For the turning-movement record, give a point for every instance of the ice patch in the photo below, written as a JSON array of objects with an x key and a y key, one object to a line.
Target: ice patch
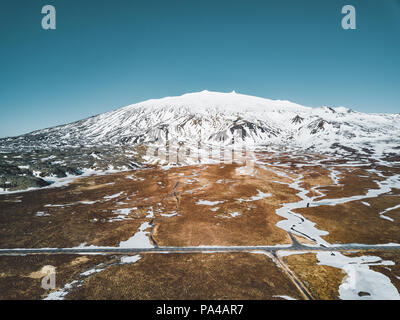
[
  {"x": 285, "y": 297},
  {"x": 124, "y": 211},
  {"x": 139, "y": 239},
  {"x": 169, "y": 215},
  {"x": 91, "y": 271},
  {"x": 130, "y": 259},
  {"x": 60, "y": 293},
  {"x": 387, "y": 210},
  {"x": 42, "y": 214},
  {"x": 208, "y": 203},
  {"x": 113, "y": 196},
  {"x": 360, "y": 278},
  {"x": 259, "y": 196}
]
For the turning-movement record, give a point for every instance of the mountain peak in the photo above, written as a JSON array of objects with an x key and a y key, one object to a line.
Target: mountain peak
[
  {"x": 212, "y": 117},
  {"x": 228, "y": 101}
]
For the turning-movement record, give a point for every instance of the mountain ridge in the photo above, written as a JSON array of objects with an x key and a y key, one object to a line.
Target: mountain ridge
[
  {"x": 214, "y": 117},
  {"x": 142, "y": 133}
]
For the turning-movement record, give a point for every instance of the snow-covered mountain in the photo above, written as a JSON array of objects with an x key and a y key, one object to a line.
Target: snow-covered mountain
[{"x": 215, "y": 118}]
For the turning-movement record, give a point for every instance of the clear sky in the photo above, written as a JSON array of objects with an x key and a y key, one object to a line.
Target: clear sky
[{"x": 108, "y": 54}]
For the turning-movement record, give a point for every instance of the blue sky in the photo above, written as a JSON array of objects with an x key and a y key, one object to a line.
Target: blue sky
[{"x": 108, "y": 54}]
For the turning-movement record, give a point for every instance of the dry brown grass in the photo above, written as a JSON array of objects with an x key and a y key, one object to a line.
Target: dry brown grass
[
  {"x": 197, "y": 224},
  {"x": 72, "y": 222},
  {"x": 354, "y": 222},
  {"x": 353, "y": 181},
  {"x": 322, "y": 281},
  {"x": 190, "y": 276},
  {"x": 179, "y": 190},
  {"x": 20, "y": 276}
]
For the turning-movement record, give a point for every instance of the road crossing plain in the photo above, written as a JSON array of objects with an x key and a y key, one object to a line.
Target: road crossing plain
[{"x": 207, "y": 231}]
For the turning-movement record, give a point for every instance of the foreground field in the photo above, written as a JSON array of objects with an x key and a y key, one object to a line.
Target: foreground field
[
  {"x": 276, "y": 224},
  {"x": 152, "y": 276}
]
